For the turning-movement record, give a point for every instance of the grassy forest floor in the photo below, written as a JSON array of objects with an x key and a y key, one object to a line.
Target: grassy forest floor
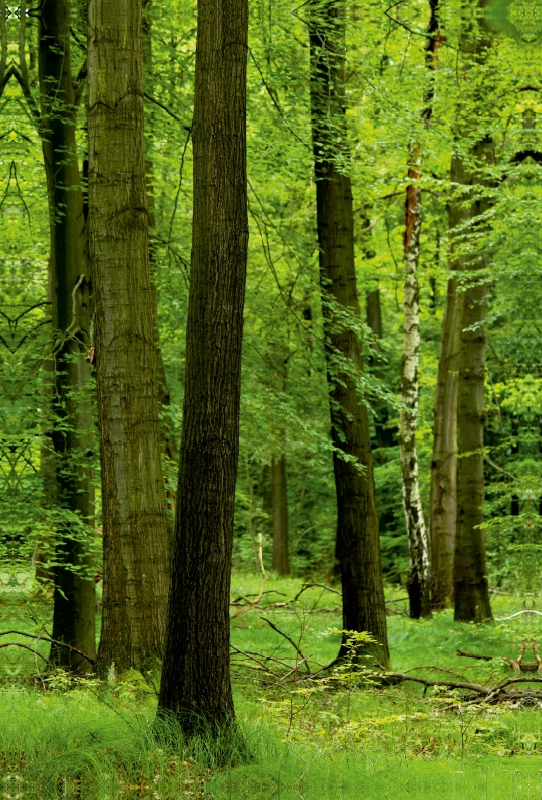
[{"x": 330, "y": 738}]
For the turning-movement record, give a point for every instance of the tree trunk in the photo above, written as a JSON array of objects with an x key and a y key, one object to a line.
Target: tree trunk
[
  {"x": 75, "y": 596},
  {"x": 196, "y": 685},
  {"x": 443, "y": 502},
  {"x": 471, "y": 594},
  {"x": 385, "y": 436},
  {"x": 281, "y": 557},
  {"x": 136, "y": 564},
  {"x": 358, "y": 545},
  {"x": 418, "y": 577}
]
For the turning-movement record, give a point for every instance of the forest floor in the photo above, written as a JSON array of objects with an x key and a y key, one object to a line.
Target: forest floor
[{"x": 317, "y": 737}]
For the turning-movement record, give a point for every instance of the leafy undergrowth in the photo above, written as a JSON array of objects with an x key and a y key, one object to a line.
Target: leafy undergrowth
[{"x": 333, "y": 737}]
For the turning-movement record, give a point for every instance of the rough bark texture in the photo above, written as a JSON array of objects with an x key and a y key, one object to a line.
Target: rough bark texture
[
  {"x": 196, "y": 676},
  {"x": 75, "y": 596},
  {"x": 418, "y": 577},
  {"x": 443, "y": 502},
  {"x": 279, "y": 489},
  {"x": 136, "y": 565},
  {"x": 358, "y": 546}
]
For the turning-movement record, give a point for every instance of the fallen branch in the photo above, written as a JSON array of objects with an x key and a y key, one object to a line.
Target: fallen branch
[
  {"x": 479, "y": 656},
  {"x": 47, "y": 639},
  {"x": 26, "y": 647}
]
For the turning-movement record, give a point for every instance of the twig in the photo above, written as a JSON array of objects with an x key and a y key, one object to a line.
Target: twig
[
  {"x": 321, "y": 585},
  {"x": 26, "y": 647},
  {"x": 289, "y": 639},
  {"x": 51, "y": 641}
]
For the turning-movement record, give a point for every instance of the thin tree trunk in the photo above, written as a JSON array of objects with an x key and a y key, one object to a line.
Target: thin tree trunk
[
  {"x": 418, "y": 577},
  {"x": 279, "y": 489},
  {"x": 75, "y": 596},
  {"x": 358, "y": 545},
  {"x": 443, "y": 502},
  {"x": 196, "y": 685},
  {"x": 136, "y": 563}
]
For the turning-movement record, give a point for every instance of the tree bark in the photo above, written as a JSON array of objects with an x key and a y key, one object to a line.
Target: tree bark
[
  {"x": 443, "y": 501},
  {"x": 418, "y": 584},
  {"x": 196, "y": 685},
  {"x": 136, "y": 563},
  {"x": 471, "y": 594},
  {"x": 471, "y": 591},
  {"x": 358, "y": 545},
  {"x": 75, "y": 597}
]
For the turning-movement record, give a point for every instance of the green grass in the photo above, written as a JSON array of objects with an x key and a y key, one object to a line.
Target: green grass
[{"x": 334, "y": 739}]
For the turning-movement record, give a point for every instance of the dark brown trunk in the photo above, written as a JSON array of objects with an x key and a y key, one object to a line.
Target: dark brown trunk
[
  {"x": 136, "y": 563},
  {"x": 358, "y": 545},
  {"x": 196, "y": 685},
  {"x": 279, "y": 491},
  {"x": 75, "y": 597}
]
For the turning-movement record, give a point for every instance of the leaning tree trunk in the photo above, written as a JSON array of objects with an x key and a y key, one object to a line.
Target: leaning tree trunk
[
  {"x": 75, "y": 597},
  {"x": 196, "y": 684},
  {"x": 358, "y": 546},
  {"x": 443, "y": 501},
  {"x": 136, "y": 563}
]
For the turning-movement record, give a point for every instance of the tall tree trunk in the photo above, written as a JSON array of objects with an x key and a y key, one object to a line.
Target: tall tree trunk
[
  {"x": 281, "y": 556},
  {"x": 196, "y": 685},
  {"x": 75, "y": 597},
  {"x": 471, "y": 593},
  {"x": 358, "y": 545},
  {"x": 443, "y": 502},
  {"x": 418, "y": 577},
  {"x": 136, "y": 563}
]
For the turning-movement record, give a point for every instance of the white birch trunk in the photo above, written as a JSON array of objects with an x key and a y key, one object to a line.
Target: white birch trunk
[{"x": 418, "y": 579}]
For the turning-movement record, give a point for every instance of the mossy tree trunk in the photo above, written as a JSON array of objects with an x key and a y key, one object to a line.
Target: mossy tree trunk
[{"x": 136, "y": 551}]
